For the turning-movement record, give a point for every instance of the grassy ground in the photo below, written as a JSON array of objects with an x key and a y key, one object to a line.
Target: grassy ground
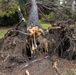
[
  {"x": 3, "y": 31},
  {"x": 45, "y": 26},
  {"x": 74, "y": 71}
]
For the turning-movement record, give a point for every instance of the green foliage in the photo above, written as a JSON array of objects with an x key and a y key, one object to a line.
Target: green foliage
[
  {"x": 8, "y": 7},
  {"x": 42, "y": 20},
  {"x": 51, "y": 16},
  {"x": 45, "y": 25},
  {"x": 3, "y": 32},
  {"x": 8, "y": 12},
  {"x": 13, "y": 19}
]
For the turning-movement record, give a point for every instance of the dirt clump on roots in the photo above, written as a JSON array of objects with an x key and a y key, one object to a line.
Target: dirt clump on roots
[{"x": 15, "y": 59}]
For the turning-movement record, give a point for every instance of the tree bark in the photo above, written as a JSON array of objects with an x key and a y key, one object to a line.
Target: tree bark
[
  {"x": 33, "y": 18},
  {"x": 20, "y": 15}
]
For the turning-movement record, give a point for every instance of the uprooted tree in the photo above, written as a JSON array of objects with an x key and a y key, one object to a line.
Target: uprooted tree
[
  {"x": 26, "y": 39},
  {"x": 29, "y": 39}
]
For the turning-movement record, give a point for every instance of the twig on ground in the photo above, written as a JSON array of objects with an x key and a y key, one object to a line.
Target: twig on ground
[
  {"x": 6, "y": 58},
  {"x": 56, "y": 68},
  {"x": 27, "y": 72},
  {"x": 30, "y": 63}
]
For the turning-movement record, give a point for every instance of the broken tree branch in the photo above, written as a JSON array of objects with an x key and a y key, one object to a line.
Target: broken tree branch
[
  {"x": 20, "y": 15},
  {"x": 19, "y": 32},
  {"x": 43, "y": 14}
]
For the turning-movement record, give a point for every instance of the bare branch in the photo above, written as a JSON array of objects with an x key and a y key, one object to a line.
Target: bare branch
[
  {"x": 19, "y": 32},
  {"x": 20, "y": 15}
]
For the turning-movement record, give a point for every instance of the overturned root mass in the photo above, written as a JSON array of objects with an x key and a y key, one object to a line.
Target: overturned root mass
[
  {"x": 16, "y": 48},
  {"x": 63, "y": 42},
  {"x": 36, "y": 42},
  {"x": 60, "y": 41}
]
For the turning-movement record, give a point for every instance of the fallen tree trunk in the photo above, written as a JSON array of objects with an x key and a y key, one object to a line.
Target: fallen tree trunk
[
  {"x": 33, "y": 19},
  {"x": 50, "y": 7},
  {"x": 29, "y": 40},
  {"x": 35, "y": 30},
  {"x": 31, "y": 35}
]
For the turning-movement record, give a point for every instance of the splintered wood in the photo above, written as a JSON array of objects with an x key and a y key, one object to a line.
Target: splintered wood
[
  {"x": 35, "y": 33},
  {"x": 35, "y": 30},
  {"x": 27, "y": 72}
]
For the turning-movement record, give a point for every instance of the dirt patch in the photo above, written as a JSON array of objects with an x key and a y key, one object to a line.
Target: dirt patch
[{"x": 41, "y": 67}]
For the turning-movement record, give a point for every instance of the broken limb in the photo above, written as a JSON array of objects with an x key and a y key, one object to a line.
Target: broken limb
[
  {"x": 19, "y": 32},
  {"x": 6, "y": 58},
  {"x": 33, "y": 47},
  {"x": 43, "y": 14},
  {"x": 35, "y": 42},
  {"x": 27, "y": 72}
]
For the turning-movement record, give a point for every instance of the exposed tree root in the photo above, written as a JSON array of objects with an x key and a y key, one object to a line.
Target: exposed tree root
[{"x": 27, "y": 41}]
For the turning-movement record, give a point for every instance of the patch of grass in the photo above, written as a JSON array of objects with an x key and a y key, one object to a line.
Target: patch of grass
[
  {"x": 74, "y": 70},
  {"x": 45, "y": 25},
  {"x": 3, "y": 31},
  {"x": 65, "y": 73}
]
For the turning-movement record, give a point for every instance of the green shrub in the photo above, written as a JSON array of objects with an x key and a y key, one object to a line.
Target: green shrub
[
  {"x": 6, "y": 21},
  {"x": 8, "y": 12},
  {"x": 51, "y": 16},
  {"x": 7, "y": 8},
  {"x": 42, "y": 20}
]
